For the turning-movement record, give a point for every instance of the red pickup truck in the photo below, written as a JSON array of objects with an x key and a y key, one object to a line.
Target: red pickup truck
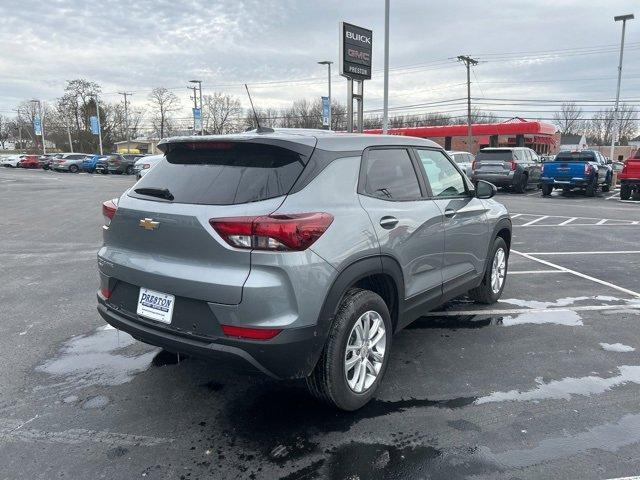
[{"x": 630, "y": 178}]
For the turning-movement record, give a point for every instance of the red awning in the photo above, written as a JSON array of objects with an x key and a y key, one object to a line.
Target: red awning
[{"x": 506, "y": 128}]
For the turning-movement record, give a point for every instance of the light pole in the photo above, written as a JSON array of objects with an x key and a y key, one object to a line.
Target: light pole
[
  {"x": 199, "y": 82},
  {"x": 614, "y": 124},
  {"x": 328, "y": 64},
  {"x": 44, "y": 148},
  {"x": 385, "y": 101}
]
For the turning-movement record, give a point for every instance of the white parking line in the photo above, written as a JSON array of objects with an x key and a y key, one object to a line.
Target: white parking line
[
  {"x": 578, "y": 274},
  {"x": 523, "y": 272},
  {"x": 516, "y": 311},
  {"x": 566, "y": 222},
  {"x": 613, "y": 252},
  {"x": 612, "y": 196},
  {"x": 516, "y": 215},
  {"x": 535, "y": 221}
]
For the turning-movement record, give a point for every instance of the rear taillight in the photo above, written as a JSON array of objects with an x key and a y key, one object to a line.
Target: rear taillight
[
  {"x": 474, "y": 165},
  {"x": 542, "y": 168},
  {"x": 514, "y": 166},
  {"x": 296, "y": 231},
  {"x": 250, "y": 333},
  {"x": 109, "y": 210},
  {"x": 105, "y": 292},
  {"x": 587, "y": 168}
]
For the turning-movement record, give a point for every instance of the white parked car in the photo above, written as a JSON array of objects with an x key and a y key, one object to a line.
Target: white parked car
[
  {"x": 11, "y": 161},
  {"x": 144, "y": 164},
  {"x": 464, "y": 160}
]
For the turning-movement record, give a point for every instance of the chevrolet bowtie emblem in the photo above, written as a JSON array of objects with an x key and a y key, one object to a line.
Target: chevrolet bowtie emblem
[{"x": 148, "y": 224}]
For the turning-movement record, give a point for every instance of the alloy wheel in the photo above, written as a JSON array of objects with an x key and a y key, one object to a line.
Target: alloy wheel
[
  {"x": 364, "y": 353},
  {"x": 498, "y": 270}
]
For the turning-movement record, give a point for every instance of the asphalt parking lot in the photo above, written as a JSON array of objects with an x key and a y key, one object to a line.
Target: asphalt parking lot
[{"x": 544, "y": 384}]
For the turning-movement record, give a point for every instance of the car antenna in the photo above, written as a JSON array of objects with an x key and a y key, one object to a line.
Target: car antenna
[{"x": 255, "y": 115}]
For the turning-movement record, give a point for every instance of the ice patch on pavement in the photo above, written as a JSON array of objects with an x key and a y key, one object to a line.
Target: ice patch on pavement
[
  {"x": 567, "y": 387},
  {"x": 561, "y": 302},
  {"x": 616, "y": 347},
  {"x": 567, "y": 318}
]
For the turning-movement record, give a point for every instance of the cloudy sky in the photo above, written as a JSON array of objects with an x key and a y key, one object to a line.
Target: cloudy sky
[{"x": 529, "y": 50}]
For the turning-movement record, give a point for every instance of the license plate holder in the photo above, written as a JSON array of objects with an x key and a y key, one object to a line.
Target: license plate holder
[{"x": 155, "y": 305}]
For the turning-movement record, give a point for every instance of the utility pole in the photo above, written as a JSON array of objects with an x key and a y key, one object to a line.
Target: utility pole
[
  {"x": 614, "y": 124},
  {"x": 385, "y": 101},
  {"x": 95, "y": 98},
  {"x": 468, "y": 61},
  {"x": 197, "y": 91},
  {"x": 126, "y": 116},
  {"x": 69, "y": 135}
]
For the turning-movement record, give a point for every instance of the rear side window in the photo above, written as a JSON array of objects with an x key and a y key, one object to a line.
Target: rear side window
[
  {"x": 389, "y": 175},
  {"x": 499, "y": 155},
  {"x": 223, "y": 173}
]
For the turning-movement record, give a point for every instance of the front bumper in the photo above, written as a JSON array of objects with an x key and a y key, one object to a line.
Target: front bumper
[{"x": 291, "y": 354}]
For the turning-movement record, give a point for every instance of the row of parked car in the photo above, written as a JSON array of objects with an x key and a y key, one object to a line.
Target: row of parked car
[
  {"x": 113, "y": 163},
  {"x": 520, "y": 168}
]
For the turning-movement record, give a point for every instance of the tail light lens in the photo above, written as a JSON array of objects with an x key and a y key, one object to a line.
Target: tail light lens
[
  {"x": 293, "y": 232},
  {"x": 109, "y": 210},
  {"x": 587, "y": 168},
  {"x": 474, "y": 165},
  {"x": 514, "y": 165},
  {"x": 250, "y": 333},
  {"x": 105, "y": 292}
]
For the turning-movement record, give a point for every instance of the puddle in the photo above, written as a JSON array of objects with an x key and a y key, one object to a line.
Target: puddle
[
  {"x": 565, "y": 388},
  {"x": 105, "y": 357},
  {"x": 566, "y": 318},
  {"x": 375, "y": 461},
  {"x": 608, "y": 437},
  {"x": 99, "y": 401},
  {"x": 616, "y": 347}
]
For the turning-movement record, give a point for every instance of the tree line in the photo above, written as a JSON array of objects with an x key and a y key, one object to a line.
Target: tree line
[{"x": 570, "y": 120}]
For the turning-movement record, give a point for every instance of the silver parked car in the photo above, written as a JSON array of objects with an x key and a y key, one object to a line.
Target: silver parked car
[
  {"x": 142, "y": 165},
  {"x": 464, "y": 161},
  {"x": 69, "y": 162},
  {"x": 298, "y": 253}
]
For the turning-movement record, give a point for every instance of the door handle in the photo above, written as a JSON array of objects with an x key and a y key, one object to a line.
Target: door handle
[
  {"x": 450, "y": 213},
  {"x": 388, "y": 222}
]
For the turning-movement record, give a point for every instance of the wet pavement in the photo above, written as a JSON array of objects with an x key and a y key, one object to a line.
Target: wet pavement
[{"x": 544, "y": 384}]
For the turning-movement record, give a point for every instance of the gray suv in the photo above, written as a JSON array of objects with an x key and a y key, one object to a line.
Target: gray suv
[
  {"x": 298, "y": 253},
  {"x": 515, "y": 167}
]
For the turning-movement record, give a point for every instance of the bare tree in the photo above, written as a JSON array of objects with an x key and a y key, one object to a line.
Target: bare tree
[
  {"x": 627, "y": 123},
  {"x": 220, "y": 113},
  {"x": 164, "y": 103},
  {"x": 5, "y": 129},
  {"x": 569, "y": 119}
]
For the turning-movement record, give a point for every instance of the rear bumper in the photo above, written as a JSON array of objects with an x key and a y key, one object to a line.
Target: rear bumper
[
  {"x": 631, "y": 182},
  {"x": 498, "y": 179},
  {"x": 572, "y": 182},
  {"x": 291, "y": 354}
]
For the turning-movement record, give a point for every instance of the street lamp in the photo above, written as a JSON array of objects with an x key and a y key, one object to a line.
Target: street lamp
[
  {"x": 328, "y": 64},
  {"x": 614, "y": 125},
  {"x": 44, "y": 148},
  {"x": 199, "y": 82}
]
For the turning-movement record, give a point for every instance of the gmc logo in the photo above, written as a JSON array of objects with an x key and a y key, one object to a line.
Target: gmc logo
[
  {"x": 358, "y": 37},
  {"x": 358, "y": 54}
]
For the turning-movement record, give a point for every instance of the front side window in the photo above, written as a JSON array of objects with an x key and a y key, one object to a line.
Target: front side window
[
  {"x": 389, "y": 175},
  {"x": 444, "y": 178}
]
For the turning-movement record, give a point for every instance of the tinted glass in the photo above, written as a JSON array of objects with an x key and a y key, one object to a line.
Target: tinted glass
[
  {"x": 583, "y": 156},
  {"x": 444, "y": 178},
  {"x": 499, "y": 155},
  {"x": 389, "y": 174},
  {"x": 224, "y": 173}
]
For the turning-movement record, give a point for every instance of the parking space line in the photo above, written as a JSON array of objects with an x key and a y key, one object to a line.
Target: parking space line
[
  {"x": 630, "y": 224},
  {"x": 601, "y": 222},
  {"x": 523, "y": 272},
  {"x": 516, "y": 311},
  {"x": 566, "y": 222},
  {"x": 612, "y": 196},
  {"x": 535, "y": 221},
  {"x": 516, "y": 215},
  {"x": 578, "y": 274},
  {"x": 583, "y": 253}
]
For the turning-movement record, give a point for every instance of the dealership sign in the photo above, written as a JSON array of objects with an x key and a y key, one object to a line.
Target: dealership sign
[
  {"x": 37, "y": 126},
  {"x": 355, "y": 51}
]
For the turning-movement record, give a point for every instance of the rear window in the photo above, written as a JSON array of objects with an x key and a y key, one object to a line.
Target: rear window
[
  {"x": 500, "y": 155},
  {"x": 575, "y": 157},
  {"x": 224, "y": 173}
]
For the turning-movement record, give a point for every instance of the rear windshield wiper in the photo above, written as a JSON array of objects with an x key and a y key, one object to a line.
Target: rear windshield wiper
[{"x": 155, "y": 192}]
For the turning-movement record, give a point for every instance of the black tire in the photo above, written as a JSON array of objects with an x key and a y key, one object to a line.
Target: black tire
[
  {"x": 606, "y": 187},
  {"x": 625, "y": 192},
  {"x": 546, "y": 190},
  {"x": 521, "y": 186},
  {"x": 328, "y": 382},
  {"x": 591, "y": 189},
  {"x": 73, "y": 169},
  {"x": 104, "y": 171},
  {"x": 129, "y": 170},
  {"x": 484, "y": 293}
]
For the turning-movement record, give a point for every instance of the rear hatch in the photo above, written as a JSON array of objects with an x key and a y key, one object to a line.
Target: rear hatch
[
  {"x": 568, "y": 165},
  {"x": 493, "y": 162},
  {"x": 198, "y": 181},
  {"x": 631, "y": 169}
]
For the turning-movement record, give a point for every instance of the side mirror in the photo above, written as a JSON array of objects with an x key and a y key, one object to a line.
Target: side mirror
[{"x": 485, "y": 189}]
